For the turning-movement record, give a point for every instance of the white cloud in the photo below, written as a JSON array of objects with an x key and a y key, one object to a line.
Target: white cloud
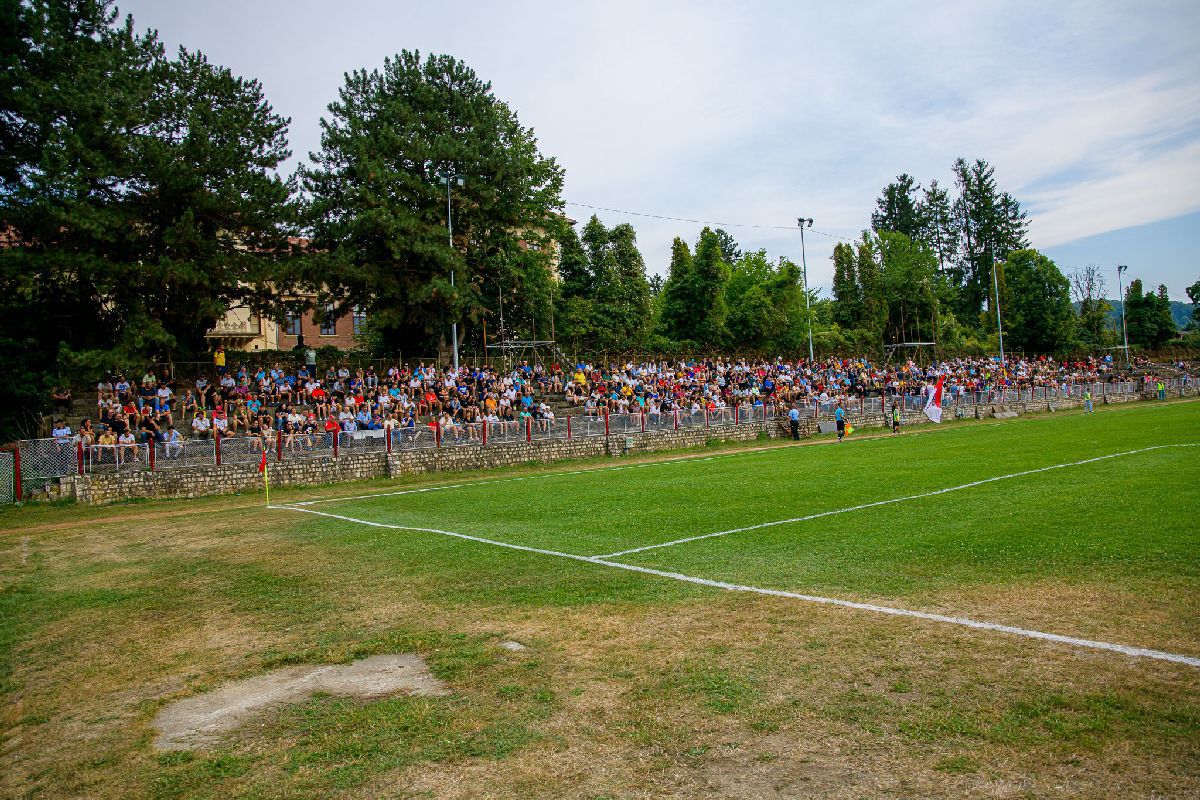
[{"x": 761, "y": 112}]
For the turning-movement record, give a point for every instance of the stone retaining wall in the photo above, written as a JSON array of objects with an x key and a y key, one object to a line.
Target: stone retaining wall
[{"x": 231, "y": 478}]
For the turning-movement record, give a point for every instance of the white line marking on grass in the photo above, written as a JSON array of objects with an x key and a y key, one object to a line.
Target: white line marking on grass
[
  {"x": 884, "y": 502},
  {"x": 665, "y": 462},
  {"x": 1139, "y": 652}
]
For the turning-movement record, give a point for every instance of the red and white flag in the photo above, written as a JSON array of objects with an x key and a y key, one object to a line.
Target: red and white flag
[
  {"x": 933, "y": 407},
  {"x": 262, "y": 464}
]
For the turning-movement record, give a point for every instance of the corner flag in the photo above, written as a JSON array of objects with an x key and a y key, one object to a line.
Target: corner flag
[
  {"x": 933, "y": 408},
  {"x": 262, "y": 467}
]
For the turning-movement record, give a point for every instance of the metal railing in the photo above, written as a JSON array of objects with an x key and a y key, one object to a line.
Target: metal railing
[{"x": 34, "y": 465}]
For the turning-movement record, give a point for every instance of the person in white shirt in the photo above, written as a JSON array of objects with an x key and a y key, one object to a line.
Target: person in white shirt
[
  {"x": 128, "y": 447},
  {"x": 200, "y": 426},
  {"x": 174, "y": 442}
]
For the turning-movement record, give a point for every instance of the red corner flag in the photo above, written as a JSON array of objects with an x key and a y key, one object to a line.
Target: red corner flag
[
  {"x": 933, "y": 408},
  {"x": 262, "y": 467}
]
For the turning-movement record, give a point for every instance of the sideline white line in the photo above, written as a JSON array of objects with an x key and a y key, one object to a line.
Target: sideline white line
[
  {"x": 1139, "y": 652},
  {"x": 665, "y": 462},
  {"x": 886, "y": 502}
]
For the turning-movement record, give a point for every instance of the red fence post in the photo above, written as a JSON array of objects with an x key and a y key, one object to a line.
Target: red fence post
[
  {"x": 706, "y": 417},
  {"x": 437, "y": 435},
  {"x": 643, "y": 420},
  {"x": 79, "y": 455},
  {"x": 279, "y": 445},
  {"x": 17, "y": 473},
  {"x": 337, "y": 438},
  {"x": 529, "y": 429},
  {"x": 150, "y": 453},
  {"x": 217, "y": 435},
  {"x": 735, "y": 414},
  {"x": 387, "y": 433},
  {"x": 568, "y": 426},
  {"x": 676, "y": 413},
  {"x": 606, "y": 422},
  {"x": 485, "y": 433}
]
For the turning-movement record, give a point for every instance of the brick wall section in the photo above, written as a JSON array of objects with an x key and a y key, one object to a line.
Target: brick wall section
[{"x": 227, "y": 479}]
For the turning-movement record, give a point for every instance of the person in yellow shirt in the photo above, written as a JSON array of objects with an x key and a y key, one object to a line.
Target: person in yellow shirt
[{"x": 219, "y": 359}]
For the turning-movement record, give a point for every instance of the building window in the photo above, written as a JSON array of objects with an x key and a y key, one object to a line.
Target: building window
[
  {"x": 293, "y": 324},
  {"x": 360, "y": 320},
  {"x": 329, "y": 324}
]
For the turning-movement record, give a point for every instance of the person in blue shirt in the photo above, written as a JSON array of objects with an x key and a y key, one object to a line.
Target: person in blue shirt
[
  {"x": 840, "y": 416},
  {"x": 794, "y": 423}
]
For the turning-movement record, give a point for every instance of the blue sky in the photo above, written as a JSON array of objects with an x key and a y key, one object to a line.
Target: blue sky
[{"x": 761, "y": 112}]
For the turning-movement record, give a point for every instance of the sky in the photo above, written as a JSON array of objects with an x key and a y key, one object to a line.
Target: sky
[{"x": 757, "y": 113}]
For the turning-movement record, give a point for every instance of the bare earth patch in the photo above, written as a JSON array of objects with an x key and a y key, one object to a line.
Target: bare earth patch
[{"x": 196, "y": 722}]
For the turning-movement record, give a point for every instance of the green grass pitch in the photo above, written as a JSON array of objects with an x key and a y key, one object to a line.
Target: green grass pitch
[{"x": 634, "y": 684}]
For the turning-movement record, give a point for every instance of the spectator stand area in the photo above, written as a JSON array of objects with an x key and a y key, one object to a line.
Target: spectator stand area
[{"x": 282, "y": 414}]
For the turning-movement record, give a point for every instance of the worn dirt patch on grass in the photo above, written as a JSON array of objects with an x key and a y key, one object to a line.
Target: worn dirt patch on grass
[{"x": 195, "y": 722}]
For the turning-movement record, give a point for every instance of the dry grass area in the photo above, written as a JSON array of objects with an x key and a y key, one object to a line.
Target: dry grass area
[{"x": 698, "y": 694}]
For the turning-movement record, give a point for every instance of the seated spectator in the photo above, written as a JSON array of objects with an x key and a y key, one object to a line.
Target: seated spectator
[
  {"x": 173, "y": 443},
  {"x": 200, "y": 426}
]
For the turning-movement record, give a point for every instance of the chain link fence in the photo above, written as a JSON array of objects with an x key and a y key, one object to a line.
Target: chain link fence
[
  {"x": 44, "y": 461},
  {"x": 8, "y": 488}
]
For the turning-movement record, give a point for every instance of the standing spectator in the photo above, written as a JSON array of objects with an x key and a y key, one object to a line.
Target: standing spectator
[
  {"x": 794, "y": 423},
  {"x": 219, "y": 359}
]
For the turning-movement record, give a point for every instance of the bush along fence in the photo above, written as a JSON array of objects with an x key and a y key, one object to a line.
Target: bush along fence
[{"x": 66, "y": 467}]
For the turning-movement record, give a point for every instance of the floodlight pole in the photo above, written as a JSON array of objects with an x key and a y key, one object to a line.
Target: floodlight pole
[
  {"x": 999, "y": 324},
  {"x": 449, "y": 177},
  {"x": 802, "y": 222},
  {"x": 1124, "y": 331}
]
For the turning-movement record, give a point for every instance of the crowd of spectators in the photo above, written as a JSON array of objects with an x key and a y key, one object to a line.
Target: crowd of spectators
[{"x": 301, "y": 403}]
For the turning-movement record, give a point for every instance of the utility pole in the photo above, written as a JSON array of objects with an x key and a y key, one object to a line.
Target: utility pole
[
  {"x": 806, "y": 222},
  {"x": 450, "y": 178},
  {"x": 999, "y": 324},
  {"x": 1124, "y": 331}
]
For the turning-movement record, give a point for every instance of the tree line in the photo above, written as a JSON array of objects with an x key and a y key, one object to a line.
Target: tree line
[{"x": 141, "y": 197}]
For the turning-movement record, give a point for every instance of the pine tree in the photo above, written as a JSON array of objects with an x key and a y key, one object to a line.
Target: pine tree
[
  {"x": 675, "y": 318},
  {"x": 896, "y": 209},
  {"x": 379, "y": 195},
  {"x": 710, "y": 274},
  {"x": 847, "y": 294},
  {"x": 937, "y": 224}
]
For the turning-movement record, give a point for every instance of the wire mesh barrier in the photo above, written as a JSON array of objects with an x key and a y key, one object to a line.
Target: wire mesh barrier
[
  {"x": 8, "y": 488},
  {"x": 247, "y": 449},
  {"x": 362, "y": 442},
  {"x": 45, "y": 460},
  {"x": 36, "y": 465},
  {"x": 108, "y": 458}
]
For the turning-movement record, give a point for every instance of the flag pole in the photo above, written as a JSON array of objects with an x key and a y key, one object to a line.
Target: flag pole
[{"x": 267, "y": 486}]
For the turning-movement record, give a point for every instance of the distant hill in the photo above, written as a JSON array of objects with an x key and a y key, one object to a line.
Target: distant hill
[{"x": 1180, "y": 312}]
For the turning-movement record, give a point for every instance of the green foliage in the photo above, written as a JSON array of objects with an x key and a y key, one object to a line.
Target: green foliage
[
  {"x": 379, "y": 198},
  {"x": 765, "y": 304},
  {"x": 896, "y": 209},
  {"x": 694, "y": 305},
  {"x": 1193, "y": 293},
  {"x": 605, "y": 301},
  {"x": 1039, "y": 317},
  {"x": 1148, "y": 315},
  {"x": 847, "y": 293},
  {"x": 140, "y": 189}
]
